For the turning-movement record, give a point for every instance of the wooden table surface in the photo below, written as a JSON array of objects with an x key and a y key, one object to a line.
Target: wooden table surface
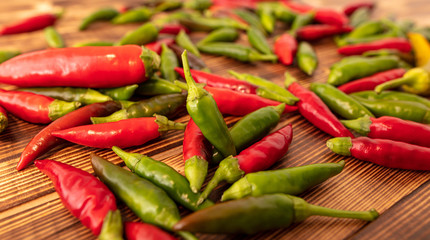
[{"x": 30, "y": 208}]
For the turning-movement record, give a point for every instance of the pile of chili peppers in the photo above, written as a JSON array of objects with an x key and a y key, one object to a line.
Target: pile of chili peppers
[{"x": 108, "y": 76}]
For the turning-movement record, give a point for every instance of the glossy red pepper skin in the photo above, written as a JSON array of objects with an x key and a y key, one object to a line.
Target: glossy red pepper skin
[
  {"x": 145, "y": 231},
  {"x": 173, "y": 29},
  {"x": 285, "y": 47},
  {"x": 216, "y": 81},
  {"x": 322, "y": 15},
  {"x": 86, "y": 197},
  {"x": 44, "y": 140},
  {"x": 369, "y": 83},
  {"x": 399, "y": 44},
  {"x": 315, "y": 32},
  {"x": 92, "y": 67},
  {"x": 351, "y": 8},
  {"x": 235, "y": 4},
  {"x": 156, "y": 46},
  {"x": 195, "y": 144},
  {"x": 315, "y": 111},
  {"x": 30, "y": 24},
  {"x": 298, "y": 7}
]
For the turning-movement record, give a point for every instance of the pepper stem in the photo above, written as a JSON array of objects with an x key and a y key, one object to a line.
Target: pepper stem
[
  {"x": 289, "y": 79},
  {"x": 370, "y": 215},
  {"x": 196, "y": 169},
  {"x": 184, "y": 86},
  {"x": 340, "y": 145},
  {"x": 194, "y": 90},
  {"x": 114, "y": 117},
  {"x": 112, "y": 228},
  {"x": 187, "y": 235},
  {"x": 165, "y": 124},
  {"x": 394, "y": 83},
  {"x": 360, "y": 125},
  {"x": 93, "y": 96},
  {"x": 280, "y": 108},
  {"x": 130, "y": 159},
  {"x": 151, "y": 61},
  {"x": 254, "y": 56},
  {"x": 59, "y": 108}
]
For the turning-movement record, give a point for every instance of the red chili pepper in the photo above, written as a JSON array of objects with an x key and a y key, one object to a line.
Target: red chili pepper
[
  {"x": 156, "y": 46},
  {"x": 3, "y": 119},
  {"x": 235, "y": 4},
  {"x": 124, "y": 133},
  {"x": 44, "y": 141},
  {"x": 285, "y": 48},
  {"x": 195, "y": 144},
  {"x": 173, "y": 28},
  {"x": 369, "y": 83},
  {"x": 399, "y": 44},
  {"x": 144, "y": 231},
  {"x": 351, "y": 8},
  {"x": 92, "y": 67},
  {"x": 314, "y": 32},
  {"x": 86, "y": 197},
  {"x": 30, "y": 24},
  {"x": 298, "y": 7},
  {"x": 383, "y": 152},
  {"x": 322, "y": 15}
]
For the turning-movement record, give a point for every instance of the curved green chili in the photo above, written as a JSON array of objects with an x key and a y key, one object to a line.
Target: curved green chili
[
  {"x": 267, "y": 16},
  {"x": 257, "y": 40},
  {"x": 392, "y": 95},
  {"x": 157, "y": 86},
  {"x": 196, "y": 22},
  {"x": 146, "y": 33},
  {"x": 104, "y": 14},
  {"x": 168, "y": 5},
  {"x": 183, "y": 40},
  {"x": 306, "y": 58},
  {"x": 83, "y": 95},
  {"x": 251, "y": 18},
  {"x": 140, "y": 14},
  {"x": 53, "y": 38},
  {"x": 120, "y": 93},
  {"x": 220, "y": 35},
  {"x": 360, "y": 16},
  {"x": 168, "y": 63},
  {"x": 235, "y": 51}
]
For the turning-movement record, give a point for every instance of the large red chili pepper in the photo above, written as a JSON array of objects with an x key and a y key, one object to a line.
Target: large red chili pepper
[
  {"x": 314, "y": 32},
  {"x": 93, "y": 67},
  {"x": 124, "y": 133},
  {"x": 322, "y": 15},
  {"x": 387, "y": 153},
  {"x": 399, "y": 44},
  {"x": 86, "y": 197},
  {"x": 156, "y": 46},
  {"x": 173, "y": 28},
  {"x": 285, "y": 47},
  {"x": 369, "y": 83},
  {"x": 195, "y": 144},
  {"x": 145, "y": 231},
  {"x": 30, "y": 24},
  {"x": 44, "y": 140},
  {"x": 351, "y": 8}
]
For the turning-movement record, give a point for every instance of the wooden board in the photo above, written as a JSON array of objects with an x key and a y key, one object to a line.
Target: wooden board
[{"x": 30, "y": 208}]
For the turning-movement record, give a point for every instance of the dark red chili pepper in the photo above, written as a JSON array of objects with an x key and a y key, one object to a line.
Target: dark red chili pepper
[
  {"x": 285, "y": 48},
  {"x": 400, "y": 44},
  {"x": 387, "y": 153},
  {"x": 93, "y": 67},
  {"x": 156, "y": 46},
  {"x": 30, "y": 24},
  {"x": 145, "y": 231},
  {"x": 44, "y": 141},
  {"x": 369, "y": 83},
  {"x": 351, "y": 8},
  {"x": 173, "y": 29},
  {"x": 322, "y": 15},
  {"x": 314, "y": 32},
  {"x": 86, "y": 197},
  {"x": 3, "y": 119}
]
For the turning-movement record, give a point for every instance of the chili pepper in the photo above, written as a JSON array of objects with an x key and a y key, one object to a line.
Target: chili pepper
[
  {"x": 93, "y": 44},
  {"x": 406, "y": 58},
  {"x": 204, "y": 111},
  {"x": 8, "y": 54},
  {"x": 168, "y": 63},
  {"x": 307, "y": 58},
  {"x": 112, "y": 228},
  {"x": 266, "y": 16},
  {"x": 83, "y": 95},
  {"x": 104, "y": 14},
  {"x": 351, "y": 8},
  {"x": 399, "y": 44},
  {"x": 359, "y": 17},
  {"x": 383, "y": 152},
  {"x": 149, "y": 202},
  {"x": 184, "y": 41},
  {"x": 300, "y": 21},
  {"x": 30, "y": 24},
  {"x": 53, "y": 38},
  {"x": 156, "y": 45},
  {"x": 369, "y": 83},
  {"x": 298, "y": 7},
  {"x": 146, "y": 33},
  {"x": 392, "y": 95},
  {"x": 414, "y": 81},
  {"x": 283, "y": 13},
  {"x": 168, "y": 6},
  {"x": 3, "y": 119},
  {"x": 199, "y": 23},
  {"x": 86, "y": 197},
  {"x": 44, "y": 141},
  {"x": 157, "y": 86},
  {"x": 93, "y": 67},
  {"x": 163, "y": 176},
  {"x": 144, "y": 231},
  {"x": 161, "y": 104},
  {"x": 140, "y": 14},
  {"x": 421, "y": 48},
  {"x": 235, "y": 4},
  {"x": 220, "y": 35},
  {"x": 285, "y": 48},
  {"x": 359, "y": 67},
  {"x": 293, "y": 180},
  {"x": 235, "y": 51},
  {"x": 251, "y": 18},
  {"x": 258, "y": 157},
  {"x": 194, "y": 61},
  {"x": 366, "y": 29},
  {"x": 315, "y": 32},
  {"x": 315, "y": 111},
  {"x": 330, "y": 17},
  {"x": 253, "y": 214},
  {"x": 173, "y": 29},
  {"x": 257, "y": 40},
  {"x": 199, "y": 5},
  {"x": 120, "y": 93}
]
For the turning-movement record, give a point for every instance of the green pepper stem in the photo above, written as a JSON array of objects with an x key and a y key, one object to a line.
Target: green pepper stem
[
  {"x": 370, "y": 215},
  {"x": 360, "y": 125},
  {"x": 194, "y": 91},
  {"x": 184, "y": 86},
  {"x": 130, "y": 159},
  {"x": 114, "y": 117},
  {"x": 151, "y": 61},
  {"x": 289, "y": 79},
  {"x": 340, "y": 145},
  {"x": 196, "y": 169},
  {"x": 165, "y": 124},
  {"x": 395, "y": 83},
  {"x": 254, "y": 56},
  {"x": 59, "y": 108},
  {"x": 112, "y": 228},
  {"x": 187, "y": 235}
]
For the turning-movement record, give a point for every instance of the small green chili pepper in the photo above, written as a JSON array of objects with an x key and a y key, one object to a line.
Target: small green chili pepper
[
  {"x": 140, "y": 14},
  {"x": 83, "y": 95},
  {"x": 391, "y": 95},
  {"x": 100, "y": 43},
  {"x": 306, "y": 58},
  {"x": 168, "y": 63},
  {"x": 146, "y": 33},
  {"x": 235, "y": 51},
  {"x": 157, "y": 86},
  {"x": 267, "y": 16},
  {"x": 359, "y": 17},
  {"x": 6, "y": 55},
  {"x": 220, "y": 35},
  {"x": 168, "y": 5},
  {"x": 53, "y": 38},
  {"x": 120, "y": 93},
  {"x": 251, "y": 18},
  {"x": 339, "y": 102},
  {"x": 253, "y": 214},
  {"x": 294, "y": 180},
  {"x": 367, "y": 29},
  {"x": 301, "y": 20},
  {"x": 414, "y": 81},
  {"x": 199, "y": 23},
  {"x": 194, "y": 61},
  {"x": 164, "y": 176},
  {"x": 104, "y": 14},
  {"x": 149, "y": 202},
  {"x": 257, "y": 39},
  {"x": 112, "y": 228},
  {"x": 183, "y": 40},
  {"x": 283, "y": 13},
  {"x": 198, "y": 5}
]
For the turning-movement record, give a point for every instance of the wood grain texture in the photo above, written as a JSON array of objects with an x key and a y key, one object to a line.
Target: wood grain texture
[{"x": 30, "y": 208}]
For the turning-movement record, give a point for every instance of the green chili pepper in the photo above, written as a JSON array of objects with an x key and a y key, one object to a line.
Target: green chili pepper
[
  {"x": 163, "y": 104},
  {"x": 253, "y": 214},
  {"x": 283, "y": 13},
  {"x": 157, "y": 86},
  {"x": 100, "y": 43},
  {"x": 163, "y": 176},
  {"x": 358, "y": 67},
  {"x": 53, "y": 38},
  {"x": 367, "y": 29},
  {"x": 257, "y": 39},
  {"x": 104, "y": 14},
  {"x": 194, "y": 61},
  {"x": 359, "y": 17},
  {"x": 407, "y": 57},
  {"x": 294, "y": 180},
  {"x": 112, "y": 228},
  {"x": 339, "y": 102},
  {"x": 267, "y": 16},
  {"x": 168, "y": 63},
  {"x": 251, "y": 19},
  {"x": 414, "y": 81},
  {"x": 306, "y": 58},
  {"x": 235, "y": 51},
  {"x": 168, "y": 5},
  {"x": 184, "y": 41},
  {"x": 391, "y": 95},
  {"x": 146, "y": 33},
  {"x": 126, "y": 104},
  {"x": 83, "y": 95},
  {"x": 204, "y": 111},
  {"x": 220, "y": 35},
  {"x": 120, "y": 93},
  {"x": 8, "y": 54},
  {"x": 301, "y": 20},
  {"x": 199, "y": 23},
  {"x": 149, "y": 202},
  {"x": 140, "y": 14},
  {"x": 288, "y": 97},
  {"x": 198, "y": 5}
]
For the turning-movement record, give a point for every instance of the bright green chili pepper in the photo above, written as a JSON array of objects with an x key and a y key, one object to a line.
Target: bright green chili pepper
[
  {"x": 168, "y": 63},
  {"x": 267, "y": 16},
  {"x": 6, "y": 55},
  {"x": 199, "y": 23},
  {"x": 391, "y": 95},
  {"x": 99, "y": 43},
  {"x": 104, "y": 14},
  {"x": 359, "y": 17},
  {"x": 257, "y": 40},
  {"x": 306, "y": 58},
  {"x": 149, "y": 202},
  {"x": 251, "y": 18},
  {"x": 83, "y": 95},
  {"x": 53, "y": 38},
  {"x": 112, "y": 228},
  {"x": 358, "y": 67},
  {"x": 253, "y": 214},
  {"x": 416, "y": 81},
  {"x": 168, "y": 5},
  {"x": 204, "y": 111},
  {"x": 164, "y": 176},
  {"x": 235, "y": 51},
  {"x": 294, "y": 180},
  {"x": 367, "y": 29},
  {"x": 146, "y": 33},
  {"x": 283, "y": 13},
  {"x": 301, "y": 20},
  {"x": 198, "y": 5},
  {"x": 339, "y": 102},
  {"x": 120, "y": 93},
  {"x": 220, "y": 35},
  {"x": 157, "y": 86},
  {"x": 162, "y": 104},
  {"x": 140, "y": 14},
  {"x": 183, "y": 40}
]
